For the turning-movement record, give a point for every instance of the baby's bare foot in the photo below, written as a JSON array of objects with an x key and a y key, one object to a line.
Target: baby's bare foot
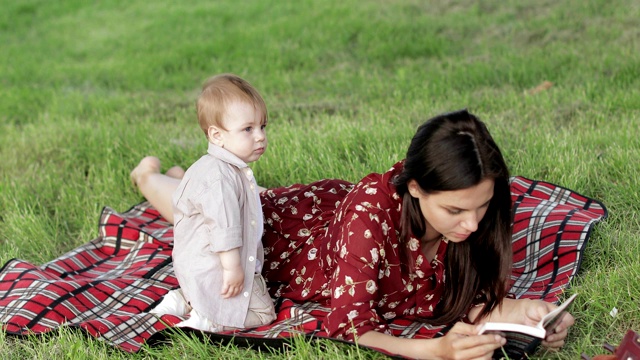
[
  {"x": 175, "y": 172},
  {"x": 147, "y": 165}
]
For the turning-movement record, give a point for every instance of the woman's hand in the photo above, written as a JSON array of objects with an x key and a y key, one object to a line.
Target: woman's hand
[
  {"x": 535, "y": 310},
  {"x": 462, "y": 342}
]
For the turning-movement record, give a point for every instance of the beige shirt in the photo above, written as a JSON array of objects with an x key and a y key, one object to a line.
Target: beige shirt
[{"x": 217, "y": 208}]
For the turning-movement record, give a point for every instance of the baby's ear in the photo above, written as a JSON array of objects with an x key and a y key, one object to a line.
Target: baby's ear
[{"x": 215, "y": 136}]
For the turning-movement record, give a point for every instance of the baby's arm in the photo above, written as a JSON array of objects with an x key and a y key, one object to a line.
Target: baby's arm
[{"x": 232, "y": 273}]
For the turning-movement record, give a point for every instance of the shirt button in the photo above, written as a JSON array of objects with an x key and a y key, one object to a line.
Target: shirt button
[
  {"x": 251, "y": 187},
  {"x": 246, "y": 294},
  {"x": 251, "y": 258},
  {"x": 253, "y": 222}
]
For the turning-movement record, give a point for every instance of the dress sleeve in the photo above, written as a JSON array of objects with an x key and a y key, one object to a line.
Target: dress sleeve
[
  {"x": 355, "y": 289},
  {"x": 221, "y": 211}
]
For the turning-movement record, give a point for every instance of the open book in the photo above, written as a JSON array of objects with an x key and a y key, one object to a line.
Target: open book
[{"x": 524, "y": 339}]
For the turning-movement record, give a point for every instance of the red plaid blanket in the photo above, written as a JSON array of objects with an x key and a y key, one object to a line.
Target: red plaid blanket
[{"x": 106, "y": 286}]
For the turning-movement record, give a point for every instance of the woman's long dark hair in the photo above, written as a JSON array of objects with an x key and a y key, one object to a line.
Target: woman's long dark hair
[{"x": 455, "y": 151}]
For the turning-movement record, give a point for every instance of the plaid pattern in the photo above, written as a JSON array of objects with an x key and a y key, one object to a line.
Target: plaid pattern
[
  {"x": 550, "y": 230},
  {"x": 106, "y": 286},
  {"x": 103, "y": 287}
]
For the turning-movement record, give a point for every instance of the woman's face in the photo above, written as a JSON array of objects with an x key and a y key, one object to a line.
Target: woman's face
[{"x": 454, "y": 214}]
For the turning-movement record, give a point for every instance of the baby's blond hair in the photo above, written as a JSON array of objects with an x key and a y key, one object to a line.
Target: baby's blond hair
[{"x": 221, "y": 90}]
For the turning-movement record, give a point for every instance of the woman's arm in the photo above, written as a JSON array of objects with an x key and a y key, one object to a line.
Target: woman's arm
[{"x": 461, "y": 342}]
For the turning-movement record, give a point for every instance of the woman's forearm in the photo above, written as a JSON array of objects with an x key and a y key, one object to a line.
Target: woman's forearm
[
  {"x": 427, "y": 348},
  {"x": 461, "y": 342}
]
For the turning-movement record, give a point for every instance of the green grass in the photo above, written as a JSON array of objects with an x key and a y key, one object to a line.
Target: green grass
[{"x": 89, "y": 88}]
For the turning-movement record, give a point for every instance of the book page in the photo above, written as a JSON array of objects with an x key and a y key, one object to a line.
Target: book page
[
  {"x": 494, "y": 327},
  {"x": 521, "y": 339}
]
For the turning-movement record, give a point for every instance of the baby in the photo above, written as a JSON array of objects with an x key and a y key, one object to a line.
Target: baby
[{"x": 218, "y": 252}]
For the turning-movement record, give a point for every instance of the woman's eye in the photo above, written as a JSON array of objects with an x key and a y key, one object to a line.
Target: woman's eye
[{"x": 454, "y": 212}]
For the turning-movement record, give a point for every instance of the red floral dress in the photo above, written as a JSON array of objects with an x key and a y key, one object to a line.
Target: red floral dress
[{"x": 337, "y": 244}]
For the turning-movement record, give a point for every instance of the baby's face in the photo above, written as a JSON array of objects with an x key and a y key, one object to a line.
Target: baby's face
[{"x": 245, "y": 135}]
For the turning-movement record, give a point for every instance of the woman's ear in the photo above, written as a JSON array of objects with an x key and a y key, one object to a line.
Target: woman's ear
[
  {"x": 215, "y": 136},
  {"x": 414, "y": 188}
]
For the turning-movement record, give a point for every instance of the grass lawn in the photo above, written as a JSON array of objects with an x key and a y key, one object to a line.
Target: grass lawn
[{"x": 89, "y": 88}]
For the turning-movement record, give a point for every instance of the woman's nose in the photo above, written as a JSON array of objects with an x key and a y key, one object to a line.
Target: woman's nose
[{"x": 471, "y": 222}]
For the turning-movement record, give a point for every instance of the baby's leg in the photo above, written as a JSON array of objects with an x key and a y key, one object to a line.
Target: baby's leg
[
  {"x": 261, "y": 309},
  {"x": 172, "y": 303},
  {"x": 157, "y": 188},
  {"x": 199, "y": 322}
]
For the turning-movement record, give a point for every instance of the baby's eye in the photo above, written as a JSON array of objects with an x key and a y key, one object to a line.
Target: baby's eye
[
  {"x": 247, "y": 129},
  {"x": 263, "y": 127}
]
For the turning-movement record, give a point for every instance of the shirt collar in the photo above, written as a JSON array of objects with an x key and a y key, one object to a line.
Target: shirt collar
[{"x": 226, "y": 156}]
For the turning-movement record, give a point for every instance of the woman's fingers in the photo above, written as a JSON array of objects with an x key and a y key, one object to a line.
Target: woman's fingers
[
  {"x": 557, "y": 337},
  {"x": 479, "y": 346},
  {"x": 555, "y": 340},
  {"x": 463, "y": 342}
]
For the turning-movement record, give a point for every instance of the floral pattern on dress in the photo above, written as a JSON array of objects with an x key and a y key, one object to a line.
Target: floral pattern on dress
[
  {"x": 346, "y": 254},
  {"x": 296, "y": 218}
]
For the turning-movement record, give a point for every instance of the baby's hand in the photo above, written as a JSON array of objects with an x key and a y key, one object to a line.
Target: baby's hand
[{"x": 232, "y": 282}]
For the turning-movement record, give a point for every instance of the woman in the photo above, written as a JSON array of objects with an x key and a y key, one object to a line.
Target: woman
[{"x": 380, "y": 250}]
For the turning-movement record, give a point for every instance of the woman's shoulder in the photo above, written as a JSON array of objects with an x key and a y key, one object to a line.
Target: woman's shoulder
[
  {"x": 388, "y": 175},
  {"x": 377, "y": 190},
  {"x": 381, "y": 182}
]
